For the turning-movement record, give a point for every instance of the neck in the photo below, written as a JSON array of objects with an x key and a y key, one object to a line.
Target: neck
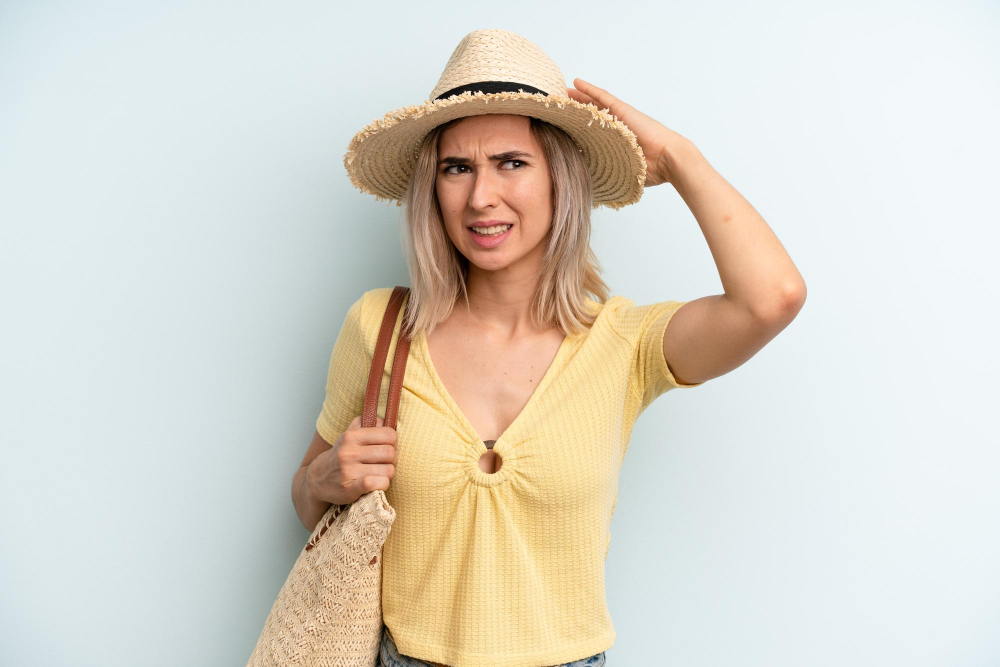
[{"x": 501, "y": 301}]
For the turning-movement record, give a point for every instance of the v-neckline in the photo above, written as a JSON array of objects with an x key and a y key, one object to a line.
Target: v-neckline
[{"x": 470, "y": 429}]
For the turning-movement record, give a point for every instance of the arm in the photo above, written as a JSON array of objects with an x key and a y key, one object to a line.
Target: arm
[
  {"x": 309, "y": 509},
  {"x": 711, "y": 336}
]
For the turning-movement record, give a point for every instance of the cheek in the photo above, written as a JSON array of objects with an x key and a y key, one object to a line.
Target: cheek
[
  {"x": 532, "y": 197},
  {"x": 452, "y": 210},
  {"x": 447, "y": 200}
]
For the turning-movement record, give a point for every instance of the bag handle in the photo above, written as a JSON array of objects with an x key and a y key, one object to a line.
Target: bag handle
[{"x": 370, "y": 412}]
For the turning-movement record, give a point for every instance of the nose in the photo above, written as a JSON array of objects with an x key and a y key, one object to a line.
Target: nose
[{"x": 485, "y": 190}]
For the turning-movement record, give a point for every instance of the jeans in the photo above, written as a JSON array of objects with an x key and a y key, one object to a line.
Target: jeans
[{"x": 389, "y": 656}]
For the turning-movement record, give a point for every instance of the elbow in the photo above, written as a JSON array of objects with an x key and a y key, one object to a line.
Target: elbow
[{"x": 785, "y": 305}]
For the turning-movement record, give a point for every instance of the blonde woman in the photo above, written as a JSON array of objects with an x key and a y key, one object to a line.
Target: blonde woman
[{"x": 524, "y": 377}]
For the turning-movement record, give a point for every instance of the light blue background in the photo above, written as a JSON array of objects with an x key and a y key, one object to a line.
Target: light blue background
[{"x": 180, "y": 243}]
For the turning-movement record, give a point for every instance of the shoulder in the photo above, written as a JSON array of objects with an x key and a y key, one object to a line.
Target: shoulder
[
  {"x": 369, "y": 309},
  {"x": 617, "y": 314},
  {"x": 378, "y": 296},
  {"x": 377, "y": 299},
  {"x": 371, "y": 301},
  {"x": 630, "y": 319}
]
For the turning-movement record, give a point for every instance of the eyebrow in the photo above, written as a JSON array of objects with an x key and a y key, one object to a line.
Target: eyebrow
[{"x": 501, "y": 157}]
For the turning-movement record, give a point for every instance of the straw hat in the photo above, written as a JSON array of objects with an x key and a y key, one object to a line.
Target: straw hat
[{"x": 497, "y": 71}]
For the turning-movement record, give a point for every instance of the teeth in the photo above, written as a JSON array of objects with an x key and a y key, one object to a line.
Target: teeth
[{"x": 490, "y": 231}]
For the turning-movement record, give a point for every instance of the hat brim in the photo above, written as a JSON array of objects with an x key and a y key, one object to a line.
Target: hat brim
[{"x": 381, "y": 157}]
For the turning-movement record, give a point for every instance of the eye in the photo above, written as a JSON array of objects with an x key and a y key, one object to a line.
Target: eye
[{"x": 447, "y": 169}]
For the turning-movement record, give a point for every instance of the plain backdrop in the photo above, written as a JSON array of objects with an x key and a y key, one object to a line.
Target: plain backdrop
[{"x": 180, "y": 243}]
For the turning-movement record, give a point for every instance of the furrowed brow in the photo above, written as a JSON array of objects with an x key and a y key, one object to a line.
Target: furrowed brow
[
  {"x": 510, "y": 155},
  {"x": 500, "y": 157}
]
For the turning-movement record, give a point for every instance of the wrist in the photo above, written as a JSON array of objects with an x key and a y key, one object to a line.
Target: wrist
[
  {"x": 684, "y": 162},
  {"x": 678, "y": 153},
  {"x": 307, "y": 484}
]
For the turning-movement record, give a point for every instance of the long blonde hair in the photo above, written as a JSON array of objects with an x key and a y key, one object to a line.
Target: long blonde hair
[{"x": 570, "y": 271}]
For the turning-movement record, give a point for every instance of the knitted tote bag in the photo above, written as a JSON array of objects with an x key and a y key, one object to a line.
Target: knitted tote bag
[{"x": 329, "y": 611}]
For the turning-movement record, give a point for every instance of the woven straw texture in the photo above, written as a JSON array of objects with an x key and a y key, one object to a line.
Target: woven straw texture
[
  {"x": 328, "y": 613},
  {"x": 381, "y": 157}
]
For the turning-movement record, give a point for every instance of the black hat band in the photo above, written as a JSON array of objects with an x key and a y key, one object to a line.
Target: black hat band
[{"x": 491, "y": 87}]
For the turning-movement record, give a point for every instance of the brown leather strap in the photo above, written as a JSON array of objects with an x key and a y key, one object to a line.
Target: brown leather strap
[
  {"x": 398, "y": 368},
  {"x": 370, "y": 411}
]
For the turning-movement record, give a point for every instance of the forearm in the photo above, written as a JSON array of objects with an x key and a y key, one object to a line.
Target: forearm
[
  {"x": 756, "y": 271},
  {"x": 309, "y": 509}
]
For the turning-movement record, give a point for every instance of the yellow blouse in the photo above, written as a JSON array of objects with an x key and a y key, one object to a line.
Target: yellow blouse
[{"x": 505, "y": 569}]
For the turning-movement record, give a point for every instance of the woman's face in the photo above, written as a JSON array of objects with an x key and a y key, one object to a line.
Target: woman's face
[{"x": 491, "y": 170}]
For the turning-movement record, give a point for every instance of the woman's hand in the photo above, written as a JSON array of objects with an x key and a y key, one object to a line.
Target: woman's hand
[
  {"x": 655, "y": 138},
  {"x": 362, "y": 460}
]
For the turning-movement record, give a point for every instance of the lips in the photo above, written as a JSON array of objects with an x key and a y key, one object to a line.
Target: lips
[
  {"x": 489, "y": 223},
  {"x": 489, "y": 241}
]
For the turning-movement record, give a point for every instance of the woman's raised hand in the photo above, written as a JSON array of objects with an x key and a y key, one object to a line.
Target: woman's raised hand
[
  {"x": 362, "y": 460},
  {"x": 654, "y": 137}
]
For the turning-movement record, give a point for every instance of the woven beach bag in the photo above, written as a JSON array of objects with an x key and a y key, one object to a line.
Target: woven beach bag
[{"x": 329, "y": 611}]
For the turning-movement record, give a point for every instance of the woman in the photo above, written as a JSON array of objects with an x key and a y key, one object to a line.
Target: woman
[{"x": 517, "y": 407}]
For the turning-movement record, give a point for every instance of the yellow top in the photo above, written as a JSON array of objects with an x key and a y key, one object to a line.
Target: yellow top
[{"x": 505, "y": 569}]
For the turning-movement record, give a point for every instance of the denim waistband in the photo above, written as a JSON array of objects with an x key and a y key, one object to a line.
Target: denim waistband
[{"x": 389, "y": 656}]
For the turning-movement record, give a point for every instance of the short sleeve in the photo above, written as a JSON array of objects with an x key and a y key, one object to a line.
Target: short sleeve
[
  {"x": 651, "y": 375},
  {"x": 347, "y": 377}
]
